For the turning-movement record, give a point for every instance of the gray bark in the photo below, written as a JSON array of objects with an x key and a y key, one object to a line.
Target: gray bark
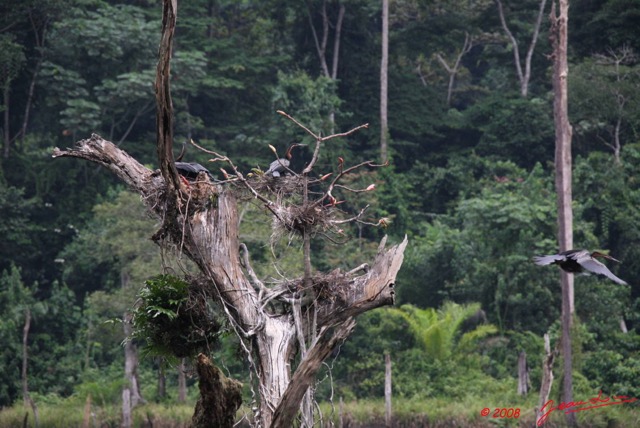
[
  {"x": 523, "y": 374},
  {"x": 126, "y": 408},
  {"x": 182, "y": 382},
  {"x": 384, "y": 65},
  {"x": 387, "y": 389},
  {"x": 547, "y": 376},
  {"x": 453, "y": 70},
  {"x": 523, "y": 77},
  {"x": 25, "y": 364},
  {"x": 558, "y": 35},
  {"x": 130, "y": 369}
]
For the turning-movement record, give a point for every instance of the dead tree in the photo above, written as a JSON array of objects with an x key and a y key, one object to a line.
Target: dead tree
[
  {"x": 547, "y": 376},
  {"x": 321, "y": 43},
  {"x": 523, "y": 76},
  {"x": 523, "y": 374},
  {"x": 617, "y": 59},
  {"x": 384, "y": 84},
  {"x": 454, "y": 69},
  {"x": 316, "y": 311},
  {"x": 558, "y": 36}
]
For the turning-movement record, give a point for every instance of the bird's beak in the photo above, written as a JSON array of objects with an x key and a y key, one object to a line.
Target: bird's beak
[{"x": 611, "y": 258}]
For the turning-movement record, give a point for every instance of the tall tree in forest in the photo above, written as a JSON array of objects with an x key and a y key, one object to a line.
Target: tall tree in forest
[
  {"x": 310, "y": 315},
  {"x": 605, "y": 103},
  {"x": 11, "y": 61},
  {"x": 563, "y": 165},
  {"x": 454, "y": 67},
  {"x": 20, "y": 307},
  {"x": 523, "y": 76},
  {"x": 321, "y": 43},
  {"x": 384, "y": 84}
]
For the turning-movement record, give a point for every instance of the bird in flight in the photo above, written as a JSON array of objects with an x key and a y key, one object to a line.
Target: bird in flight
[{"x": 580, "y": 261}]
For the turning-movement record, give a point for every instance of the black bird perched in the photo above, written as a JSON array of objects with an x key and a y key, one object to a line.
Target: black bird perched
[
  {"x": 279, "y": 166},
  {"x": 580, "y": 261},
  {"x": 190, "y": 170}
]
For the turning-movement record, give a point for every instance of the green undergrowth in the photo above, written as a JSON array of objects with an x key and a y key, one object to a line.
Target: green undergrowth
[
  {"x": 429, "y": 412},
  {"x": 466, "y": 412},
  {"x": 71, "y": 413}
]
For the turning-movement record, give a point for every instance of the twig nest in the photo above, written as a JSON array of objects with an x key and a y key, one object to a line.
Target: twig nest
[{"x": 302, "y": 219}]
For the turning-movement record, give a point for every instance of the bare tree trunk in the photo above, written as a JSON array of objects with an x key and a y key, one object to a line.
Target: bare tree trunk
[
  {"x": 523, "y": 77},
  {"x": 25, "y": 362},
  {"x": 384, "y": 66},
  {"x": 25, "y": 354},
  {"x": 523, "y": 374},
  {"x": 623, "y": 326},
  {"x": 182, "y": 383},
  {"x": 27, "y": 108},
  {"x": 162, "y": 381},
  {"x": 6, "y": 133},
  {"x": 387, "y": 389},
  {"x": 131, "y": 363},
  {"x": 321, "y": 45},
  {"x": 326, "y": 342},
  {"x": 126, "y": 408},
  {"x": 616, "y": 140},
  {"x": 558, "y": 35},
  {"x": 336, "y": 42},
  {"x": 547, "y": 377},
  {"x": 39, "y": 33},
  {"x": 453, "y": 71}
]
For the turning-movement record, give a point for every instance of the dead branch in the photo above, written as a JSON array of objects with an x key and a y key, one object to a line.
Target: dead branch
[
  {"x": 136, "y": 176},
  {"x": 523, "y": 78},
  {"x": 341, "y": 173},
  {"x": 164, "y": 113},
  {"x": 318, "y": 138},
  {"x": 354, "y": 218},
  {"x": 252, "y": 274},
  {"x": 327, "y": 341}
]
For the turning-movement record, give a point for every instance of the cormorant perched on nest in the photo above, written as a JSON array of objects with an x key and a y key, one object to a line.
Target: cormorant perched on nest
[
  {"x": 190, "y": 170},
  {"x": 279, "y": 166}
]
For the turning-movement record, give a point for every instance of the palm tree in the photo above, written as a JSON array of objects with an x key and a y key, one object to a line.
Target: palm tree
[{"x": 440, "y": 331}]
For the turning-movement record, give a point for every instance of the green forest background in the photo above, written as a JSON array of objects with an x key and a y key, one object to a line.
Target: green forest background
[{"x": 471, "y": 182}]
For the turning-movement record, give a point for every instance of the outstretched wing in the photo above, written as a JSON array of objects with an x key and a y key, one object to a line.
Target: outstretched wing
[
  {"x": 547, "y": 260},
  {"x": 595, "y": 266}
]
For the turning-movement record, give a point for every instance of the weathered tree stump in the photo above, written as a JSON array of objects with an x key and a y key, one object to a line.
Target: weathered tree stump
[{"x": 220, "y": 397}]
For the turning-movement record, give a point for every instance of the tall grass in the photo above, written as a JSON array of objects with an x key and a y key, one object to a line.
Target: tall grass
[
  {"x": 420, "y": 412},
  {"x": 70, "y": 414}
]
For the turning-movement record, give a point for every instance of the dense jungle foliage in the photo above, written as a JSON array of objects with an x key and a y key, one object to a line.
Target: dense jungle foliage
[{"x": 471, "y": 182}]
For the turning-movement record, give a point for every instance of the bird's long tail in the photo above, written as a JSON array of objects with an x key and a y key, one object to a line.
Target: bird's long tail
[{"x": 546, "y": 260}]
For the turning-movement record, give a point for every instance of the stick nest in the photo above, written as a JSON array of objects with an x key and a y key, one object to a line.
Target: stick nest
[{"x": 331, "y": 286}]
